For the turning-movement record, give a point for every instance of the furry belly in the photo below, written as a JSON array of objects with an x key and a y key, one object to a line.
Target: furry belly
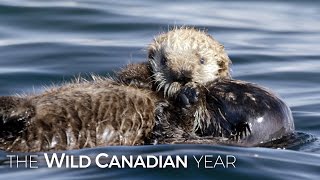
[{"x": 78, "y": 117}]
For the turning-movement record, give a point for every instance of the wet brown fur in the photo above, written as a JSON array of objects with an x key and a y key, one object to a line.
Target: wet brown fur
[{"x": 80, "y": 115}]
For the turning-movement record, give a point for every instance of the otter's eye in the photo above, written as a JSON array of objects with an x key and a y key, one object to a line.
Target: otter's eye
[
  {"x": 163, "y": 60},
  {"x": 202, "y": 61}
]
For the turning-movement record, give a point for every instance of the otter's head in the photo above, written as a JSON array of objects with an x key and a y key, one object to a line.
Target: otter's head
[{"x": 185, "y": 55}]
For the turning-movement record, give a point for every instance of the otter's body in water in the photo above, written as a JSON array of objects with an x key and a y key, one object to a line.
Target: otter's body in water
[{"x": 77, "y": 115}]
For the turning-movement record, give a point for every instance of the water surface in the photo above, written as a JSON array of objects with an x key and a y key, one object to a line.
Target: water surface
[{"x": 273, "y": 43}]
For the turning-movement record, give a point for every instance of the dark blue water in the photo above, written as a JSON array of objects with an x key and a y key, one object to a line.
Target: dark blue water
[{"x": 273, "y": 43}]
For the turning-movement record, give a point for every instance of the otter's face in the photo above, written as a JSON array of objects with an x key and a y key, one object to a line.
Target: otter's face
[{"x": 186, "y": 55}]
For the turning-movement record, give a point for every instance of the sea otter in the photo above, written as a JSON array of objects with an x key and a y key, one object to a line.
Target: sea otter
[{"x": 191, "y": 67}]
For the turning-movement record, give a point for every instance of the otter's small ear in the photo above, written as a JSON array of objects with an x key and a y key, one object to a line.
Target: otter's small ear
[{"x": 151, "y": 54}]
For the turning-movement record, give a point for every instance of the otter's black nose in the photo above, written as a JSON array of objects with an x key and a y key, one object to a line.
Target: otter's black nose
[
  {"x": 184, "y": 80},
  {"x": 184, "y": 77}
]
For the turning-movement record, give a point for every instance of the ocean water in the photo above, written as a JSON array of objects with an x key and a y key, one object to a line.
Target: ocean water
[{"x": 272, "y": 43}]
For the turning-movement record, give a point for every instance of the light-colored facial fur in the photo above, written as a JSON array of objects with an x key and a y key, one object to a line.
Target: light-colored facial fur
[{"x": 185, "y": 55}]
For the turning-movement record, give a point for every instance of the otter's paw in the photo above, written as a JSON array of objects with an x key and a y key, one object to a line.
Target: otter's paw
[{"x": 188, "y": 95}]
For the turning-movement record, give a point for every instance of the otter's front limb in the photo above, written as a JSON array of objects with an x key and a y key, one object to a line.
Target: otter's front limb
[
  {"x": 188, "y": 95},
  {"x": 140, "y": 75}
]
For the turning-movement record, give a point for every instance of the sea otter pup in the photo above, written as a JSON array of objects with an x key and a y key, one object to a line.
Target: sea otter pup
[{"x": 190, "y": 67}]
